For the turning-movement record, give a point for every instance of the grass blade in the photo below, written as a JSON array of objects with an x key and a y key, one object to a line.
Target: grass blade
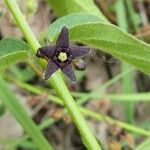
[
  {"x": 127, "y": 80},
  {"x": 22, "y": 117}
]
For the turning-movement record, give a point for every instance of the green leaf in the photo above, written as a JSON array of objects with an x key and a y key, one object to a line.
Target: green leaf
[
  {"x": 9, "y": 45},
  {"x": 22, "y": 117},
  {"x": 70, "y": 21},
  {"x": 108, "y": 38},
  {"x": 23, "y": 74},
  {"x": 12, "y": 51},
  {"x": 64, "y": 7}
]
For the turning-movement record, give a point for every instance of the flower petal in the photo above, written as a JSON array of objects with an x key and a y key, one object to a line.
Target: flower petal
[
  {"x": 47, "y": 51},
  {"x": 79, "y": 51},
  {"x": 63, "y": 39},
  {"x": 51, "y": 68},
  {"x": 69, "y": 72}
]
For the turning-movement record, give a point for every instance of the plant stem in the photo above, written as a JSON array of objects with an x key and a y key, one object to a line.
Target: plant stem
[
  {"x": 132, "y": 14},
  {"x": 57, "y": 81},
  {"x": 136, "y": 97},
  {"x": 21, "y": 22},
  {"x": 101, "y": 88},
  {"x": 87, "y": 112}
]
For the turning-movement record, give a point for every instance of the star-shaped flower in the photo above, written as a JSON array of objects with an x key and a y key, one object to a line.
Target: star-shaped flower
[{"x": 61, "y": 55}]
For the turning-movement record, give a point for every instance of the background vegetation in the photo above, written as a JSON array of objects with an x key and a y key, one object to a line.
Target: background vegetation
[{"x": 108, "y": 106}]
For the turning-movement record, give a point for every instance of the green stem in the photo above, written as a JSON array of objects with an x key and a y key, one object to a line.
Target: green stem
[
  {"x": 19, "y": 18},
  {"x": 132, "y": 13},
  {"x": 101, "y": 88},
  {"x": 56, "y": 80},
  {"x": 136, "y": 97},
  {"x": 116, "y": 122},
  {"x": 87, "y": 112}
]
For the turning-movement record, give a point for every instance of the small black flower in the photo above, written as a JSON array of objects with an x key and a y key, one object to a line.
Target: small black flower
[{"x": 61, "y": 55}]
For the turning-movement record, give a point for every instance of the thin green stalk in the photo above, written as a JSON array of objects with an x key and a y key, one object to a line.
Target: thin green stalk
[
  {"x": 116, "y": 122},
  {"x": 22, "y": 117},
  {"x": 132, "y": 14},
  {"x": 128, "y": 87},
  {"x": 101, "y": 88},
  {"x": 87, "y": 112},
  {"x": 121, "y": 15},
  {"x": 135, "y": 97},
  {"x": 57, "y": 81},
  {"x": 127, "y": 80},
  {"x": 144, "y": 97}
]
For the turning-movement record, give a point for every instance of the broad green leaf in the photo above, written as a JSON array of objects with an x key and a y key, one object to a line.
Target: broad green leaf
[
  {"x": 12, "y": 51},
  {"x": 9, "y": 45},
  {"x": 70, "y": 21},
  {"x": 108, "y": 38},
  {"x": 17, "y": 110},
  {"x": 64, "y": 7}
]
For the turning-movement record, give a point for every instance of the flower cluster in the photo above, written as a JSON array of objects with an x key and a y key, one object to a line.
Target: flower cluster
[{"x": 61, "y": 55}]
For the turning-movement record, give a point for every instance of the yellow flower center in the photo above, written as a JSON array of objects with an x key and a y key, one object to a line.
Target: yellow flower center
[{"x": 62, "y": 56}]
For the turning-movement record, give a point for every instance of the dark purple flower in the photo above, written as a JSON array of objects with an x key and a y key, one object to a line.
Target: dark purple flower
[{"x": 61, "y": 55}]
